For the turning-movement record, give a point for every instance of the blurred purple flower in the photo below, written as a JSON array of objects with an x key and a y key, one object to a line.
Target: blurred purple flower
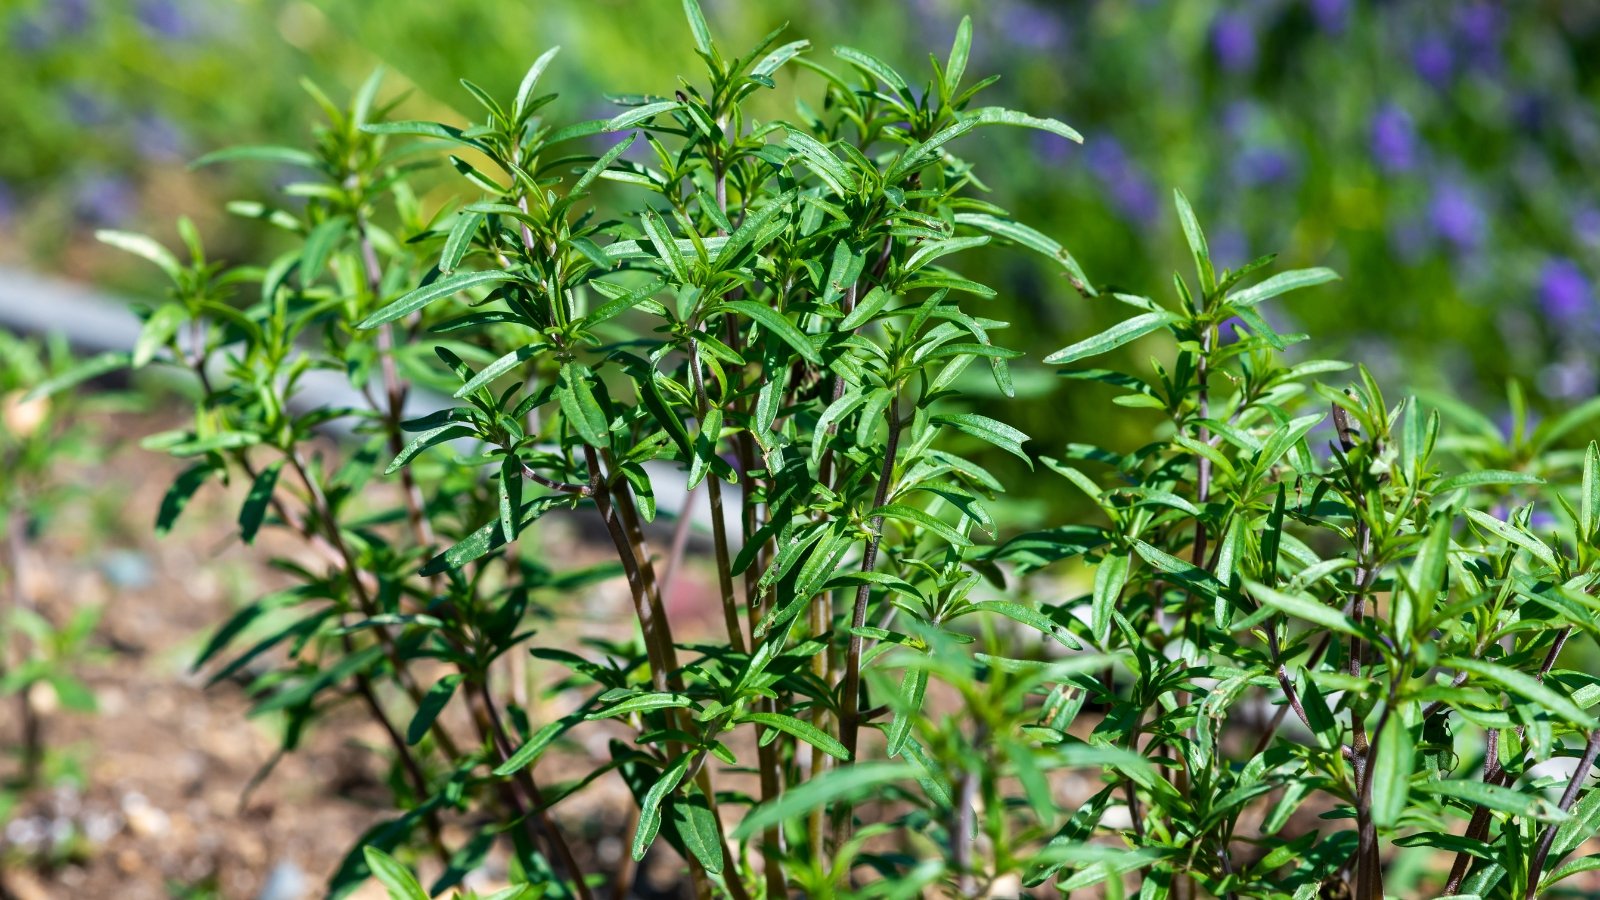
[
  {"x": 1027, "y": 25},
  {"x": 933, "y": 21},
  {"x": 1239, "y": 116},
  {"x": 33, "y": 33},
  {"x": 8, "y": 204},
  {"x": 166, "y": 18},
  {"x": 1565, "y": 295},
  {"x": 1434, "y": 60},
  {"x": 1331, "y": 15},
  {"x": 29, "y": 35},
  {"x": 1229, "y": 248},
  {"x": 1051, "y": 147},
  {"x": 1569, "y": 380},
  {"x": 158, "y": 139},
  {"x": 84, "y": 108},
  {"x": 72, "y": 16},
  {"x": 1393, "y": 139},
  {"x": 102, "y": 198},
  {"x": 1263, "y": 165},
  {"x": 1479, "y": 25},
  {"x": 1456, "y": 216},
  {"x": 1127, "y": 186},
  {"x": 1408, "y": 241},
  {"x": 1233, "y": 41},
  {"x": 1586, "y": 223},
  {"x": 1529, "y": 110}
]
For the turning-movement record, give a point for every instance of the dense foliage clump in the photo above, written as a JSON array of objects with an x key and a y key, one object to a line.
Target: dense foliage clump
[{"x": 1309, "y": 640}]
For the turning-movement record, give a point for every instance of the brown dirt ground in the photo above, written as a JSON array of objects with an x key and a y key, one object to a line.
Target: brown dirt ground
[{"x": 162, "y": 804}]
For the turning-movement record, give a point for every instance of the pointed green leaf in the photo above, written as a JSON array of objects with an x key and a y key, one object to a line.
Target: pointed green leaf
[
  {"x": 1391, "y": 773},
  {"x": 922, "y": 519},
  {"x": 650, "y": 807},
  {"x": 1281, "y": 283},
  {"x": 778, "y": 324},
  {"x": 257, "y": 501},
  {"x": 996, "y": 115},
  {"x": 433, "y": 703},
  {"x": 1302, "y": 607},
  {"x": 1514, "y": 535},
  {"x": 1109, "y": 579},
  {"x": 146, "y": 247},
  {"x": 396, "y": 879},
  {"x": 525, "y": 90},
  {"x": 1122, "y": 333},
  {"x": 986, "y": 429},
  {"x": 838, "y": 784},
  {"x": 1197, "y": 243},
  {"x": 1525, "y": 685},
  {"x": 641, "y": 114},
  {"x": 805, "y": 731},
  {"x": 438, "y": 290}
]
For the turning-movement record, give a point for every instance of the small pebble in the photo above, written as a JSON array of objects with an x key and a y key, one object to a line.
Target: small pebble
[
  {"x": 128, "y": 569},
  {"x": 285, "y": 882}
]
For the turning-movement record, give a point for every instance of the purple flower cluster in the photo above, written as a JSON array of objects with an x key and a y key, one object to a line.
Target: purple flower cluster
[
  {"x": 1586, "y": 223},
  {"x": 166, "y": 19},
  {"x": 1127, "y": 186},
  {"x": 157, "y": 138},
  {"x": 1471, "y": 42},
  {"x": 1260, "y": 166},
  {"x": 1332, "y": 16},
  {"x": 103, "y": 198},
  {"x": 1393, "y": 139},
  {"x": 1030, "y": 26},
  {"x": 1229, "y": 248},
  {"x": 1434, "y": 59},
  {"x": 1457, "y": 216},
  {"x": 56, "y": 21},
  {"x": 1233, "y": 41},
  {"x": 1565, "y": 295}
]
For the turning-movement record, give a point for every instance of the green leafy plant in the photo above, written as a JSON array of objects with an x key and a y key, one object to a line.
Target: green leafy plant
[
  {"x": 1249, "y": 633},
  {"x": 38, "y": 437}
]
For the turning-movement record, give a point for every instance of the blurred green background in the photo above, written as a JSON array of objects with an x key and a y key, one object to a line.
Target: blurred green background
[{"x": 1442, "y": 156}]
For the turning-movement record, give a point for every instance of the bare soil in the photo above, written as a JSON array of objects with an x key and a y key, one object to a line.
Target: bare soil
[{"x": 165, "y": 791}]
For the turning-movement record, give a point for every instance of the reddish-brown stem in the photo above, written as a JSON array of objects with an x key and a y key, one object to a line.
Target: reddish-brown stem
[
  {"x": 850, "y": 690},
  {"x": 719, "y": 525},
  {"x": 1568, "y": 797},
  {"x": 565, "y": 487},
  {"x": 680, "y": 541},
  {"x": 395, "y": 388},
  {"x": 643, "y": 609},
  {"x": 1203, "y": 475},
  {"x": 536, "y": 816},
  {"x": 1493, "y": 772}
]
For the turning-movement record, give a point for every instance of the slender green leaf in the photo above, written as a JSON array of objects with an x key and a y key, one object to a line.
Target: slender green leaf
[
  {"x": 257, "y": 501},
  {"x": 805, "y": 731},
  {"x": 986, "y": 429},
  {"x": 838, "y": 784},
  {"x": 395, "y": 878},
  {"x": 438, "y": 290},
  {"x": 1122, "y": 333},
  {"x": 778, "y": 324},
  {"x": 1281, "y": 283}
]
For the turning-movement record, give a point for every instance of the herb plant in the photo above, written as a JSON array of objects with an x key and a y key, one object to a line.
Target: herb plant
[
  {"x": 39, "y": 437},
  {"x": 1262, "y": 622}
]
